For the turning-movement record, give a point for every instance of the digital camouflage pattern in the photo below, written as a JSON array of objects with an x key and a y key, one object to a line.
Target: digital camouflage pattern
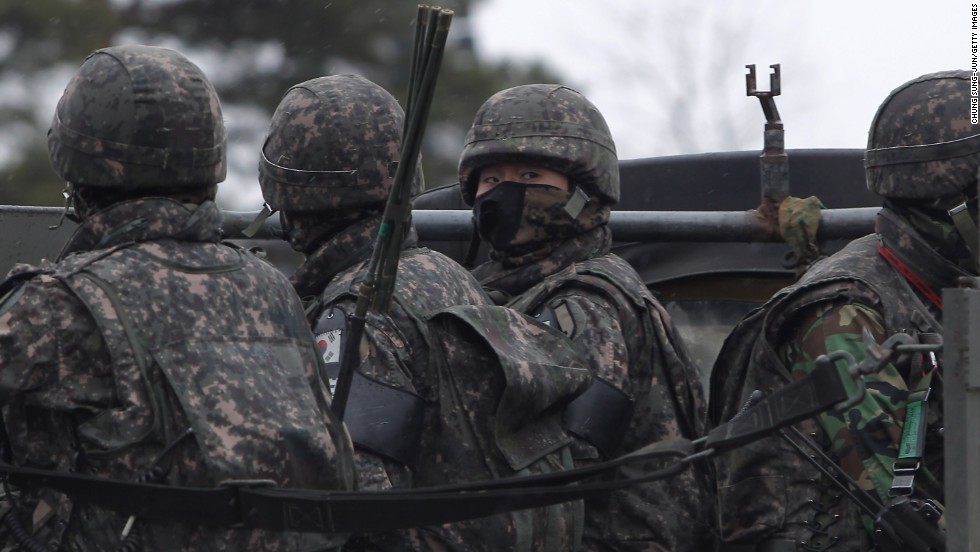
[
  {"x": 467, "y": 402},
  {"x": 146, "y": 328},
  {"x": 136, "y": 117},
  {"x": 628, "y": 340},
  {"x": 328, "y": 165},
  {"x": 333, "y": 145},
  {"x": 564, "y": 264},
  {"x": 504, "y": 383},
  {"x": 921, "y": 144},
  {"x": 549, "y": 124},
  {"x": 766, "y": 490}
]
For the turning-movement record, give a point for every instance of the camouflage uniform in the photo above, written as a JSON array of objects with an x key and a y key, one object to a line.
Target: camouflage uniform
[
  {"x": 886, "y": 283},
  {"x": 423, "y": 408},
  {"x": 558, "y": 267},
  {"x": 150, "y": 351}
]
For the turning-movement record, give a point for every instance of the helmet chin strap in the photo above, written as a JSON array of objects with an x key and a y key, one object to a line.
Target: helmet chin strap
[
  {"x": 68, "y": 213},
  {"x": 259, "y": 220}
]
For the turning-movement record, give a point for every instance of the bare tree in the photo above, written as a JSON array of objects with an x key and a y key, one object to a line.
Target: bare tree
[{"x": 669, "y": 76}]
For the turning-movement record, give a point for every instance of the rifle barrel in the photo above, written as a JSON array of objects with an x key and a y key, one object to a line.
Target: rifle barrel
[{"x": 376, "y": 289}]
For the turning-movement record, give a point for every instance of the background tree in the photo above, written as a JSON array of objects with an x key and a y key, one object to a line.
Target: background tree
[{"x": 253, "y": 51}]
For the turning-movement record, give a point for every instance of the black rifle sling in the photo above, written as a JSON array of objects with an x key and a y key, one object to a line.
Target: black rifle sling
[
  {"x": 253, "y": 505},
  {"x": 810, "y": 395}
]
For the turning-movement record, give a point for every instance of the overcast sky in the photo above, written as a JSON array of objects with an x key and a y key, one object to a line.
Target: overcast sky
[{"x": 669, "y": 76}]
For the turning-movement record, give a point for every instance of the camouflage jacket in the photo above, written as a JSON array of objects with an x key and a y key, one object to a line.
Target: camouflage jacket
[
  {"x": 152, "y": 352},
  {"x": 766, "y": 490},
  {"x": 429, "y": 379},
  {"x": 628, "y": 340}
]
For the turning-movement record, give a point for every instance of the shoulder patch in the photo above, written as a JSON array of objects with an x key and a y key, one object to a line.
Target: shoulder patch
[
  {"x": 331, "y": 335},
  {"x": 558, "y": 317}
]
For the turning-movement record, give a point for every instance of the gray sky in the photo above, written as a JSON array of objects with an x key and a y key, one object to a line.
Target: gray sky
[{"x": 669, "y": 76}]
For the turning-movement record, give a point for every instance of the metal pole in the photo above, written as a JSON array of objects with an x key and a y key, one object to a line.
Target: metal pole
[
  {"x": 639, "y": 226},
  {"x": 671, "y": 226},
  {"x": 961, "y": 404}
]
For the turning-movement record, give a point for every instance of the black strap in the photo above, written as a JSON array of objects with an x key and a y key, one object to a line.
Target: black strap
[
  {"x": 601, "y": 415},
  {"x": 909, "y": 525},
  {"x": 380, "y": 418},
  {"x": 805, "y": 397},
  {"x": 249, "y": 504},
  {"x": 777, "y": 545},
  {"x": 384, "y": 419}
]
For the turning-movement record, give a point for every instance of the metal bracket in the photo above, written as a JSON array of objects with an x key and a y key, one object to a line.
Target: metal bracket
[
  {"x": 773, "y": 163},
  {"x": 875, "y": 358},
  {"x": 766, "y": 98}
]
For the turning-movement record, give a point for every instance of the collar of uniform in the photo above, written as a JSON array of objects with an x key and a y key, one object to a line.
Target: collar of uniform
[
  {"x": 905, "y": 242},
  {"x": 146, "y": 219},
  {"x": 343, "y": 250},
  {"x": 496, "y": 275}
]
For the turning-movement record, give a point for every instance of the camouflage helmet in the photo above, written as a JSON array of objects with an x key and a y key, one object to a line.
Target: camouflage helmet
[
  {"x": 136, "y": 117},
  {"x": 921, "y": 144},
  {"x": 341, "y": 134},
  {"x": 546, "y": 124}
]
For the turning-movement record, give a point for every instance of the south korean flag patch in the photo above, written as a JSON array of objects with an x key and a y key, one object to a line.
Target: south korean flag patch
[{"x": 331, "y": 335}]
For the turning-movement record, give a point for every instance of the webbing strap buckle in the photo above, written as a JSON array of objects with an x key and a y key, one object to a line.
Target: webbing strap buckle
[{"x": 903, "y": 482}]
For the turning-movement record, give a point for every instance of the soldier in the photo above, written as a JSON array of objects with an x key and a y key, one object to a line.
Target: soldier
[
  {"x": 539, "y": 167},
  {"x": 328, "y": 165},
  {"x": 150, "y": 351},
  {"x": 922, "y": 158}
]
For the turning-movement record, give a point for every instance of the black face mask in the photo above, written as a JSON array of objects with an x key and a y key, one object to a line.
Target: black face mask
[{"x": 500, "y": 211}]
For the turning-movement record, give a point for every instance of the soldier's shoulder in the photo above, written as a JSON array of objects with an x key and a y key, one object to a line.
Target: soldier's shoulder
[
  {"x": 32, "y": 287},
  {"x": 615, "y": 267},
  {"x": 606, "y": 275},
  {"x": 254, "y": 258},
  {"x": 435, "y": 270},
  {"x": 425, "y": 258}
]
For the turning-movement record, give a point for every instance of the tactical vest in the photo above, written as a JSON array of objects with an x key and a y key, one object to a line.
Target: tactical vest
[
  {"x": 856, "y": 274},
  {"x": 613, "y": 278},
  {"x": 206, "y": 338},
  {"x": 489, "y": 409},
  {"x": 665, "y": 389},
  {"x": 383, "y": 418}
]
